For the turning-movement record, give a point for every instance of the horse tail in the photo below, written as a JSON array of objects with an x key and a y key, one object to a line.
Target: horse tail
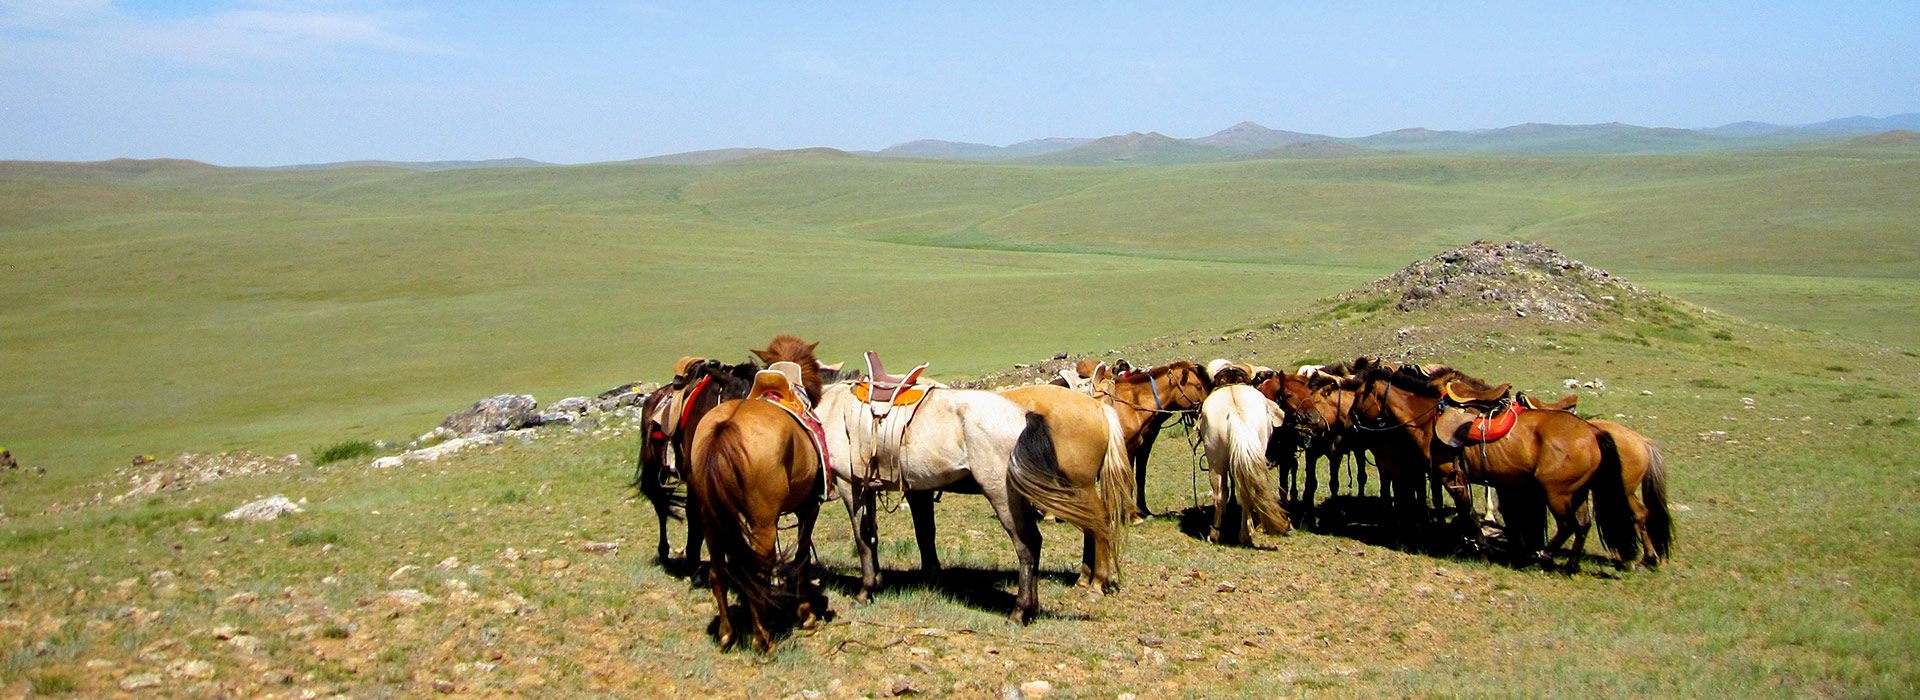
[
  {"x": 1116, "y": 480},
  {"x": 716, "y": 483},
  {"x": 1035, "y": 474},
  {"x": 1612, "y": 512},
  {"x": 1653, "y": 491},
  {"x": 1247, "y": 464}
]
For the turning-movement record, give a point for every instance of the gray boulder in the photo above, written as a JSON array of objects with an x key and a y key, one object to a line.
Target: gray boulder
[{"x": 492, "y": 415}]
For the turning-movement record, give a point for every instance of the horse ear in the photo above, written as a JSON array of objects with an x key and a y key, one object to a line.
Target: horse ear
[
  {"x": 760, "y": 354},
  {"x": 811, "y": 347}
]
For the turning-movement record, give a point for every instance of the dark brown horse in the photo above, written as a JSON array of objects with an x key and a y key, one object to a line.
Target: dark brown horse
[
  {"x": 1144, "y": 400},
  {"x": 660, "y": 471},
  {"x": 753, "y": 460}
]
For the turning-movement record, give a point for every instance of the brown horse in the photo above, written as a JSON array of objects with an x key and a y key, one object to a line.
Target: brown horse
[
  {"x": 1144, "y": 400},
  {"x": 1087, "y": 441},
  {"x": 660, "y": 470},
  {"x": 752, "y": 462},
  {"x": 1310, "y": 413},
  {"x": 1545, "y": 456}
]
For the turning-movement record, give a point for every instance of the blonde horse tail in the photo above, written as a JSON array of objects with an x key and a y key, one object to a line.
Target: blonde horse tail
[
  {"x": 1247, "y": 464},
  {"x": 1653, "y": 491},
  {"x": 1035, "y": 474},
  {"x": 1116, "y": 484}
]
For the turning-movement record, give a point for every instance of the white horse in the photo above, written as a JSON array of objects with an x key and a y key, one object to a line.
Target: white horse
[
  {"x": 1235, "y": 423},
  {"x": 965, "y": 441}
]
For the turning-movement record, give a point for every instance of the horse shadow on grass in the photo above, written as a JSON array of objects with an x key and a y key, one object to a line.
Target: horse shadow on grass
[
  {"x": 782, "y": 621},
  {"x": 1372, "y": 520},
  {"x": 986, "y": 590}
]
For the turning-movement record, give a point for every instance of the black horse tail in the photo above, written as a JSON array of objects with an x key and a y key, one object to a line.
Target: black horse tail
[
  {"x": 1035, "y": 474},
  {"x": 1653, "y": 491},
  {"x": 1612, "y": 512},
  {"x": 715, "y": 483}
]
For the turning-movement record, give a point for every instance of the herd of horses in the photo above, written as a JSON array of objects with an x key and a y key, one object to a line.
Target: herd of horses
[{"x": 732, "y": 448}]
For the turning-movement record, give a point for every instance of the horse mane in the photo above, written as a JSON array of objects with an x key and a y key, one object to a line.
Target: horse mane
[{"x": 787, "y": 348}]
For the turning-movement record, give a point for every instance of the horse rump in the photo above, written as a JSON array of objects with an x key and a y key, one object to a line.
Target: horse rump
[
  {"x": 1035, "y": 474},
  {"x": 716, "y": 484}
]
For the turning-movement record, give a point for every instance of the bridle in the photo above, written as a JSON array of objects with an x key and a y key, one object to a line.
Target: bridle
[{"x": 1379, "y": 425}]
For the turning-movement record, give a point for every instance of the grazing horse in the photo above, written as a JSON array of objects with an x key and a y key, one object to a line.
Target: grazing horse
[
  {"x": 959, "y": 440},
  {"x": 1144, "y": 400},
  {"x": 1088, "y": 443},
  {"x": 699, "y": 386},
  {"x": 1235, "y": 424}
]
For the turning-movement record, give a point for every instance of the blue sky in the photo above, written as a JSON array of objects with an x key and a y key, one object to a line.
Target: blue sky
[{"x": 268, "y": 82}]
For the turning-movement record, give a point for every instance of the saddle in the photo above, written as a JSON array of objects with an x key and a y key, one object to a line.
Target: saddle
[
  {"x": 1566, "y": 403},
  {"x": 1489, "y": 415},
  {"x": 780, "y": 385},
  {"x": 892, "y": 400},
  {"x": 667, "y": 415}
]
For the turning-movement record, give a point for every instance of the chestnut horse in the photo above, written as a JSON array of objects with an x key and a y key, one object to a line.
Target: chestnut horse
[
  {"x": 752, "y": 462},
  {"x": 1643, "y": 471},
  {"x": 660, "y": 471},
  {"x": 1144, "y": 400}
]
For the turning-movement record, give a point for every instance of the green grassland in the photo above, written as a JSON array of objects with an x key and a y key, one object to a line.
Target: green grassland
[
  {"x": 156, "y": 306},
  {"x": 1792, "y": 575}
]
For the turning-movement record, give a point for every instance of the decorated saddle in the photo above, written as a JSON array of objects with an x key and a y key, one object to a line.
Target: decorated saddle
[
  {"x": 1566, "y": 403},
  {"x": 665, "y": 418},
  {"x": 892, "y": 401},
  {"x": 780, "y": 385},
  {"x": 1473, "y": 413}
]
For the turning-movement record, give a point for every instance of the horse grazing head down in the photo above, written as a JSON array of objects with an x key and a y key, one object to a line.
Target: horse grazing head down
[{"x": 787, "y": 348}]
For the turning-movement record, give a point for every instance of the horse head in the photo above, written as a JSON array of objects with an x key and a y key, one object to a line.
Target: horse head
[{"x": 787, "y": 348}]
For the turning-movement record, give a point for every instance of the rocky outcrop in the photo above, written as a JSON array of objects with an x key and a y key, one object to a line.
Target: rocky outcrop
[
  {"x": 1525, "y": 279},
  {"x": 496, "y": 414}
]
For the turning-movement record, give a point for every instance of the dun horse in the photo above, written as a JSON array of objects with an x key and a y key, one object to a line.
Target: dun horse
[{"x": 1087, "y": 441}]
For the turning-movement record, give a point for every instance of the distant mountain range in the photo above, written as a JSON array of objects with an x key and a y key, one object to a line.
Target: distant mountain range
[{"x": 1250, "y": 141}]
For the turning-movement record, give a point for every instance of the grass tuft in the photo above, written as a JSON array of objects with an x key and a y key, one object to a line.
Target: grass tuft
[
  {"x": 340, "y": 452},
  {"x": 305, "y": 537},
  {"x": 54, "y": 684}
]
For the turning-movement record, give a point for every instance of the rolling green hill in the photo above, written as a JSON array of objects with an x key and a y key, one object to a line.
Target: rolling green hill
[{"x": 158, "y": 306}]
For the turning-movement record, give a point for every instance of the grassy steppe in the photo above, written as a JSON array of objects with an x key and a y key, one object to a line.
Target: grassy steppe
[
  {"x": 1792, "y": 575},
  {"x": 157, "y": 306}
]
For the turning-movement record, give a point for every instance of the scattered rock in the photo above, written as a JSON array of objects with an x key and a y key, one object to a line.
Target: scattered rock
[
  {"x": 493, "y": 415},
  {"x": 139, "y": 681},
  {"x": 1035, "y": 690},
  {"x": 402, "y": 572},
  {"x": 443, "y": 686},
  {"x": 408, "y": 598},
  {"x": 600, "y": 547},
  {"x": 572, "y": 404},
  {"x": 555, "y": 564},
  {"x": 195, "y": 670},
  {"x": 263, "y": 510}
]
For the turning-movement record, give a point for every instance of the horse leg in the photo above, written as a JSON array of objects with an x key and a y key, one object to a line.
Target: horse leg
[
  {"x": 1022, "y": 524},
  {"x": 1221, "y": 504},
  {"x": 765, "y": 538},
  {"x": 696, "y": 536},
  {"x": 860, "y": 508},
  {"x": 1147, "y": 436},
  {"x": 1306, "y": 503},
  {"x": 921, "y": 503},
  {"x": 717, "y": 580},
  {"x": 801, "y": 580}
]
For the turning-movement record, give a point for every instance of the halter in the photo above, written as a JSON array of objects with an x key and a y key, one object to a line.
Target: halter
[{"x": 1360, "y": 423}]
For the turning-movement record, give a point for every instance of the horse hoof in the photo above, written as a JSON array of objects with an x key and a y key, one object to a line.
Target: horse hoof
[
  {"x": 678, "y": 554},
  {"x": 1021, "y": 617},
  {"x": 864, "y": 596}
]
